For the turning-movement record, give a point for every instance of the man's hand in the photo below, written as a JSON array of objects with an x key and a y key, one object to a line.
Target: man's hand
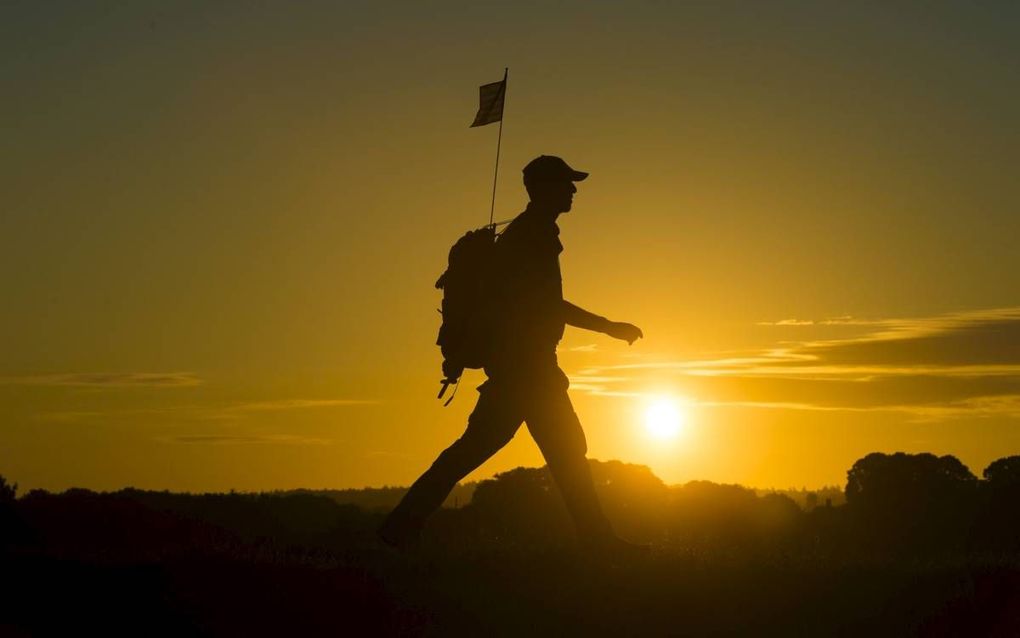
[{"x": 624, "y": 331}]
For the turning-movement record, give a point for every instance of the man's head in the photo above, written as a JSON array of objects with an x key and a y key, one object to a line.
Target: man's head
[{"x": 550, "y": 182}]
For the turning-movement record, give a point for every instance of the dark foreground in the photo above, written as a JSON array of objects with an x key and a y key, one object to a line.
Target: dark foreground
[
  {"x": 503, "y": 593},
  {"x": 724, "y": 562}
]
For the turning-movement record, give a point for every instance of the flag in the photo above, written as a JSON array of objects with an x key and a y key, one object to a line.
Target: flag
[{"x": 490, "y": 103}]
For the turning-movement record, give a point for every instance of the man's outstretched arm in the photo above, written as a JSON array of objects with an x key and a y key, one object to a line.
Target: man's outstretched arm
[{"x": 581, "y": 318}]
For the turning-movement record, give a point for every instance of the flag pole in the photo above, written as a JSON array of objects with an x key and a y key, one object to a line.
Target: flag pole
[{"x": 499, "y": 140}]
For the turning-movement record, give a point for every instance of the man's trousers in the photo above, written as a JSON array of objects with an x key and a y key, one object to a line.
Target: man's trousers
[{"x": 504, "y": 402}]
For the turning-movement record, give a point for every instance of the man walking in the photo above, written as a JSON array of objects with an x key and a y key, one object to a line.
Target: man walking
[{"x": 525, "y": 383}]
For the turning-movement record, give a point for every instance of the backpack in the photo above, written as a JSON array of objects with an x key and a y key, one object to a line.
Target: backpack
[{"x": 465, "y": 334}]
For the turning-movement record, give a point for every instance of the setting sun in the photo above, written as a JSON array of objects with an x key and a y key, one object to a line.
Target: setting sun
[{"x": 664, "y": 418}]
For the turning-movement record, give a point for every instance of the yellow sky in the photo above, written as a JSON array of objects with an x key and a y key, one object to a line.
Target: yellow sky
[{"x": 222, "y": 225}]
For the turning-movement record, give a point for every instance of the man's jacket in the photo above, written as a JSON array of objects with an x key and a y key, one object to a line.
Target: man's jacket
[{"x": 528, "y": 317}]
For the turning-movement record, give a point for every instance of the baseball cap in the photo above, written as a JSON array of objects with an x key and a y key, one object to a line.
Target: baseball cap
[{"x": 545, "y": 168}]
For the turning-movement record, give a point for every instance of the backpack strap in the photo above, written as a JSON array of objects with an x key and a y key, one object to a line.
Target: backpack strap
[
  {"x": 446, "y": 384},
  {"x": 442, "y": 390}
]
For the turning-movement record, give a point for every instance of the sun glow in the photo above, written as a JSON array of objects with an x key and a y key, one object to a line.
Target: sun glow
[{"x": 664, "y": 418}]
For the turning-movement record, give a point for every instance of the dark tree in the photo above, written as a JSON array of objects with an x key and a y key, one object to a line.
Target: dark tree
[
  {"x": 911, "y": 502},
  {"x": 521, "y": 505},
  {"x": 710, "y": 516},
  {"x": 7, "y": 490},
  {"x": 1004, "y": 472},
  {"x": 810, "y": 501},
  {"x": 8, "y": 516},
  {"x": 525, "y": 503},
  {"x": 998, "y": 524},
  {"x": 904, "y": 478}
]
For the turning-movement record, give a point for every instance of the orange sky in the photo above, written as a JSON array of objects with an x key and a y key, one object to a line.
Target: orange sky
[{"x": 222, "y": 225}]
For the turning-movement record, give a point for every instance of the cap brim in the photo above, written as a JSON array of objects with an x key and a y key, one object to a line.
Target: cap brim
[{"x": 578, "y": 176}]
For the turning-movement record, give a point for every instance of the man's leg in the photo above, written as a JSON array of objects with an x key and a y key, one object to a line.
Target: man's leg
[
  {"x": 492, "y": 424},
  {"x": 557, "y": 431}
]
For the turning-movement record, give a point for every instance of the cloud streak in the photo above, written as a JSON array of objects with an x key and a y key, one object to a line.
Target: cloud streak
[
  {"x": 107, "y": 380},
  {"x": 221, "y": 439},
  {"x": 296, "y": 404},
  {"x": 229, "y": 412},
  {"x": 933, "y": 367},
  {"x": 832, "y": 321}
]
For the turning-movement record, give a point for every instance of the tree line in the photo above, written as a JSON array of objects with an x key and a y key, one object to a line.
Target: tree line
[{"x": 895, "y": 504}]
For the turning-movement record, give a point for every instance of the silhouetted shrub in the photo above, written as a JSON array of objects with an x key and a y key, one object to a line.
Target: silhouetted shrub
[
  {"x": 522, "y": 505},
  {"x": 997, "y": 526},
  {"x": 525, "y": 505},
  {"x": 911, "y": 502},
  {"x": 709, "y": 516},
  {"x": 10, "y": 528},
  {"x": 1004, "y": 472},
  {"x": 7, "y": 491},
  {"x": 633, "y": 498},
  {"x": 881, "y": 479}
]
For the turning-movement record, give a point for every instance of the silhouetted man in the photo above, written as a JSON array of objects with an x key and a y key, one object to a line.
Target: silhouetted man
[{"x": 525, "y": 383}]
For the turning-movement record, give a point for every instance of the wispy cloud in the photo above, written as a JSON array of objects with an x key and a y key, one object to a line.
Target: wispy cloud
[
  {"x": 69, "y": 416},
  {"x": 225, "y": 412},
  {"x": 591, "y": 347},
  {"x": 222, "y": 439},
  {"x": 934, "y": 367},
  {"x": 295, "y": 404},
  {"x": 241, "y": 410},
  {"x": 382, "y": 454},
  {"x": 107, "y": 379},
  {"x": 831, "y": 321}
]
